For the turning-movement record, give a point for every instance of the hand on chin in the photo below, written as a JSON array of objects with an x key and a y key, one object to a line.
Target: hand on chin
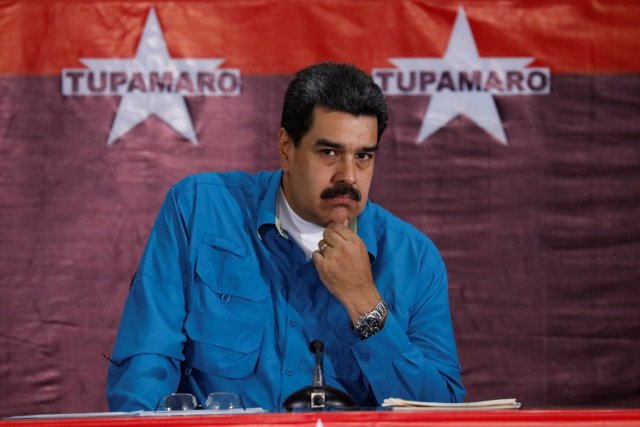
[{"x": 339, "y": 215}]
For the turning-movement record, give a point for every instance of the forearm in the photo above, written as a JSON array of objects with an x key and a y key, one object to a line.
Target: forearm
[
  {"x": 139, "y": 382},
  {"x": 396, "y": 367},
  {"x": 150, "y": 339}
]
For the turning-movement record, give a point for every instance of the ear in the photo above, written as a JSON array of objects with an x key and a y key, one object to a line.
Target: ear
[{"x": 285, "y": 149}]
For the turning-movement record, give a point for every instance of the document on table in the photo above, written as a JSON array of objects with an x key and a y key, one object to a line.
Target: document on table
[{"x": 396, "y": 404}]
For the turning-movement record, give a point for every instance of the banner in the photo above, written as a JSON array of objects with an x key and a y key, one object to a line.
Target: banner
[{"x": 513, "y": 144}]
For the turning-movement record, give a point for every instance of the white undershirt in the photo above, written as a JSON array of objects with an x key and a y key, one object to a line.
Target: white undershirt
[{"x": 306, "y": 234}]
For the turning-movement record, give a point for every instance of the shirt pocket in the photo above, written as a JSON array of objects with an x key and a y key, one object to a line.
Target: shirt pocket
[{"x": 229, "y": 305}]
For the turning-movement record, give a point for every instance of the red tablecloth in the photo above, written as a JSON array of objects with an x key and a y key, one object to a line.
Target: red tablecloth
[{"x": 519, "y": 418}]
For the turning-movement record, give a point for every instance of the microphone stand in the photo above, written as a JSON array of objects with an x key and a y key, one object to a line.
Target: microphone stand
[{"x": 319, "y": 396}]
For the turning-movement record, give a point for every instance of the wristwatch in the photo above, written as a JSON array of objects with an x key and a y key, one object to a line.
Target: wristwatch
[{"x": 372, "y": 322}]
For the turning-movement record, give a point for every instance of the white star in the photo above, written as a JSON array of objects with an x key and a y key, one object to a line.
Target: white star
[
  {"x": 152, "y": 55},
  {"x": 461, "y": 54}
]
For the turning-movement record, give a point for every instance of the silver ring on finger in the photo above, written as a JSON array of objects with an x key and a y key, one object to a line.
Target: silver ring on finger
[{"x": 322, "y": 245}]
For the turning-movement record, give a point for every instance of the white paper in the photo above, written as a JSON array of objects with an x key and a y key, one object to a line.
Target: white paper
[{"x": 408, "y": 405}]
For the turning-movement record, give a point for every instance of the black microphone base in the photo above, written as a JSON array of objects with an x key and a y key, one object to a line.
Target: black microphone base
[{"x": 316, "y": 398}]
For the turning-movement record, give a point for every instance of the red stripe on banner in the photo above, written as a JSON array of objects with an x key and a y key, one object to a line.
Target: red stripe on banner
[{"x": 264, "y": 37}]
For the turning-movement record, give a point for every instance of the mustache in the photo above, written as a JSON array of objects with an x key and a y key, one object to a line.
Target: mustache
[{"x": 341, "y": 189}]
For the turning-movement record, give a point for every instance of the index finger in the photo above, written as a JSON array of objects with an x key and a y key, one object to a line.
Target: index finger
[{"x": 342, "y": 230}]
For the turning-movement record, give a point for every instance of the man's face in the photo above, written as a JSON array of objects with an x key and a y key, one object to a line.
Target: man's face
[{"x": 332, "y": 160}]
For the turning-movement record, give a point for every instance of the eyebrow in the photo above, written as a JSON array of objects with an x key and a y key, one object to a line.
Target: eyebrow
[{"x": 322, "y": 142}]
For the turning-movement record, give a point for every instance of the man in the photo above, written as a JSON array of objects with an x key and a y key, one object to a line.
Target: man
[{"x": 242, "y": 271}]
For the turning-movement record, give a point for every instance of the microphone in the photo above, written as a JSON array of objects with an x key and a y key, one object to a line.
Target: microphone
[
  {"x": 318, "y": 396},
  {"x": 316, "y": 347}
]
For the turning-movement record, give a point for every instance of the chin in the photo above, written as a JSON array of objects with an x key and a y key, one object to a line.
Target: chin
[{"x": 341, "y": 215}]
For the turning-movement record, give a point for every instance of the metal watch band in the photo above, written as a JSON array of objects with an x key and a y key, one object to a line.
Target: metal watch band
[{"x": 371, "y": 323}]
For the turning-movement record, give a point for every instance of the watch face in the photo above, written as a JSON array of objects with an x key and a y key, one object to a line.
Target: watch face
[
  {"x": 371, "y": 323},
  {"x": 368, "y": 326}
]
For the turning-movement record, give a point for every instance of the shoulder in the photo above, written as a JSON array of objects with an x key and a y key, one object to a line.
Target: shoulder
[
  {"x": 235, "y": 179},
  {"x": 396, "y": 235},
  {"x": 225, "y": 203},
  {"x": 387, "y": 223},
  {"x": 221, "y": 181}
]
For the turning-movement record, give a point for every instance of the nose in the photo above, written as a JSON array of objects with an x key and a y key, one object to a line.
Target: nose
[{"x": 346, "y": 171}]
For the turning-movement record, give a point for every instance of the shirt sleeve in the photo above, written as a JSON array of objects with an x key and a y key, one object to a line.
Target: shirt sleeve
[
  {"x": 419, "y": 363},
  {"x": 149, "y": 345}
]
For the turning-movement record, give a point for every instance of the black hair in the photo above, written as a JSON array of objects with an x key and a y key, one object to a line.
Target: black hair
[{"x": 336, "y": 87}]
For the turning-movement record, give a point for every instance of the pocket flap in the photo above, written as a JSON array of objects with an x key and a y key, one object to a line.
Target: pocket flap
[
  {"x": 223, "y": 243},
  {"x": 243, "y": 337},
  {"x": 226, "y": 273}
]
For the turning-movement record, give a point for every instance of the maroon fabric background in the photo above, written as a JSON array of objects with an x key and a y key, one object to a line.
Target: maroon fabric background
[{"x": 540, "y": 237}]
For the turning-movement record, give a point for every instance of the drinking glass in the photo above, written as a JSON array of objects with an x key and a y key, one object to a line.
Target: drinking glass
[{"x": 222, "y": 400}]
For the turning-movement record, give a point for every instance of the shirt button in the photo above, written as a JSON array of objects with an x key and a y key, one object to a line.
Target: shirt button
[
  {"x": 292, "y": 323},
  {"x": 225, "y": 298},
  {"x": 364, "y": 357},
  {"x": 290, "y": 372}
]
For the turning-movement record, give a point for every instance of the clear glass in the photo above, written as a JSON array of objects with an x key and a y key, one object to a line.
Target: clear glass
[
  {"x": 179, "y": 402},
  {"x": 187, "y": 402},
  {"x": 223, "y": 401}
]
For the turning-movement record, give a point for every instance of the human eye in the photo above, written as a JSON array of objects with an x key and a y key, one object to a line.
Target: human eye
[
  {"x": 328, "y": 152},
  {"x": 364, "y": 156}
]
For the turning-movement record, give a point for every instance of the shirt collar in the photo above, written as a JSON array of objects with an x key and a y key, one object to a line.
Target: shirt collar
[{"x": 268, "y": 215}]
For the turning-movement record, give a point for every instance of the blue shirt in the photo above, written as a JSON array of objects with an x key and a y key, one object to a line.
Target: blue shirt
[{"x": 224, "y": 301}]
